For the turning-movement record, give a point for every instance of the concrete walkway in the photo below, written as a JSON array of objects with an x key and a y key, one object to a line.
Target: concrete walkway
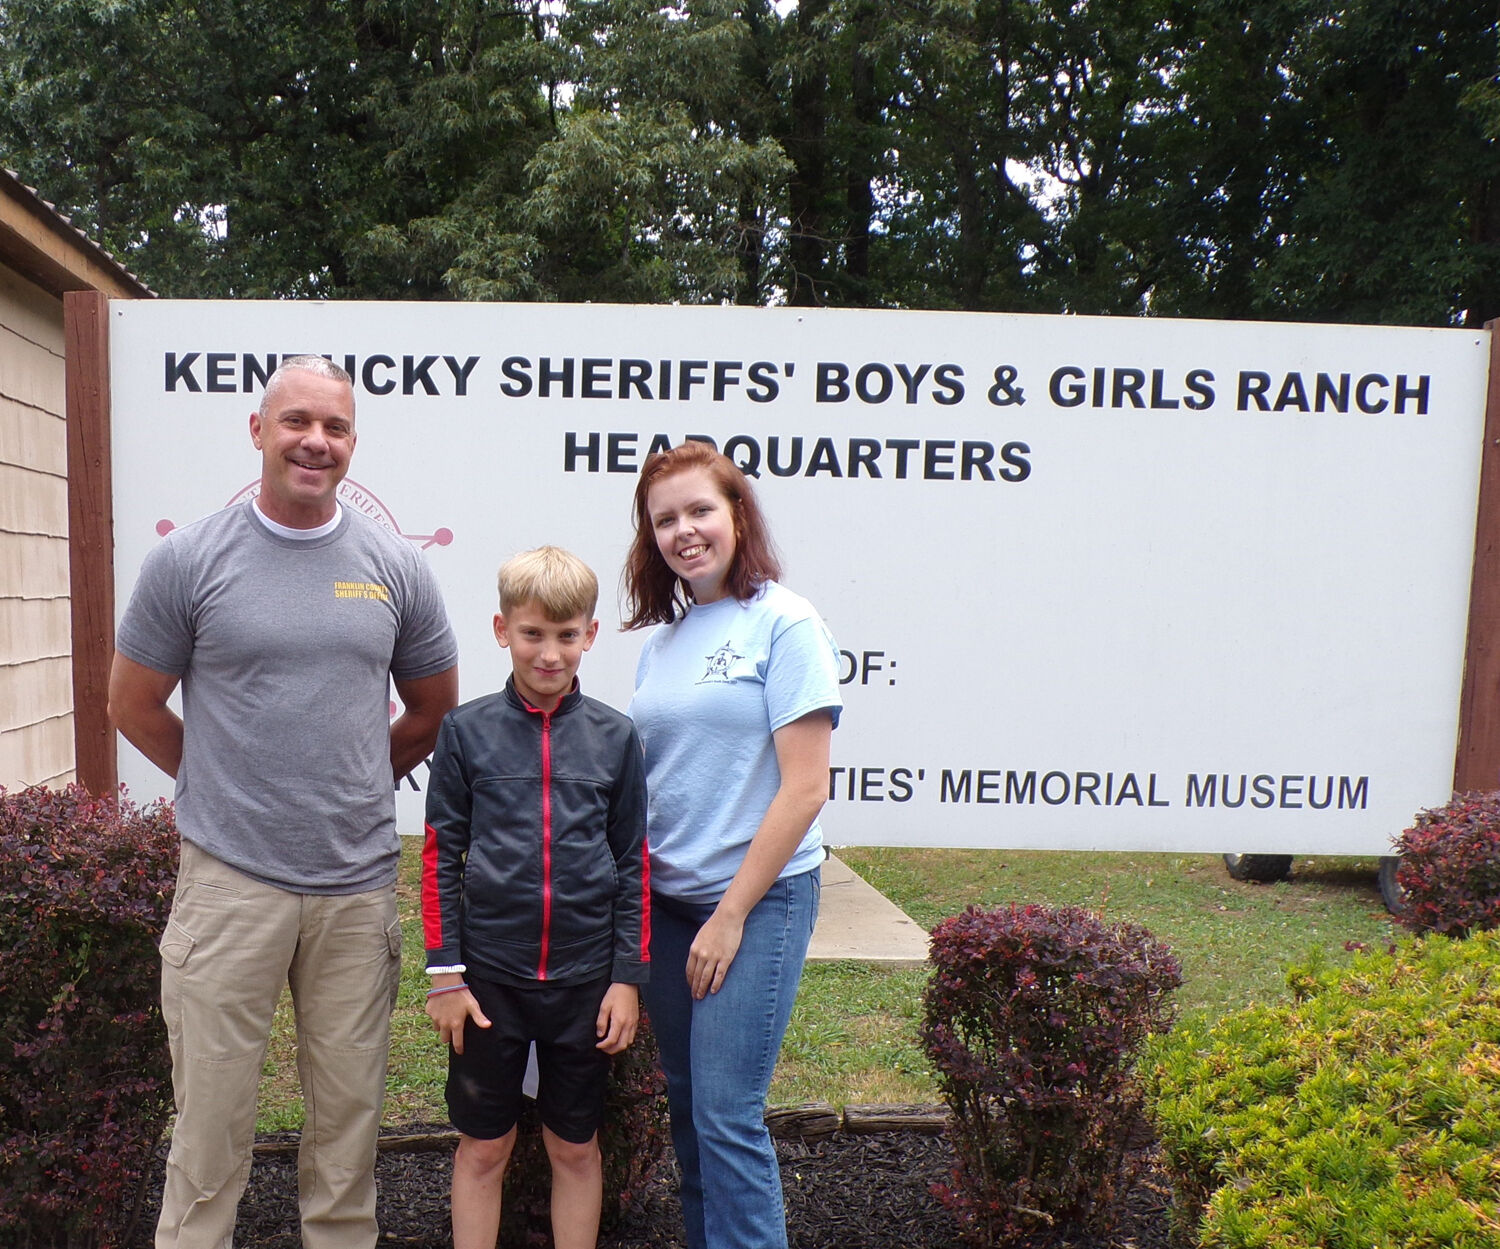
[{"x": 857, "y": 921}]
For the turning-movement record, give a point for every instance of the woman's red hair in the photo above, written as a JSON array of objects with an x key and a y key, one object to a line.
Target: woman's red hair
[{"x": 654, "y": 594}]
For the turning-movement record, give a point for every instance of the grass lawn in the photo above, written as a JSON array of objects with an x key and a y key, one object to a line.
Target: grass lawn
[{"x": 853, "y": 1036}]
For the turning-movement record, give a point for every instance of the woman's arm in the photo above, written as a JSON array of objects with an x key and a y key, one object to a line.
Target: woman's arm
[{"x": 802, "y": 756}]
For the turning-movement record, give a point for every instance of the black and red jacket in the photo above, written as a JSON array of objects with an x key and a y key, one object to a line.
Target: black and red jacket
[{"x": 535, "y": 862}]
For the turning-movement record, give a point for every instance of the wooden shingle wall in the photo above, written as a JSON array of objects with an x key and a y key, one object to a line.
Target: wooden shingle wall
[{"x": 36, "y": 684}]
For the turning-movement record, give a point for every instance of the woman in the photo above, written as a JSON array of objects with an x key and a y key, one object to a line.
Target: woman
[{"x": 736, "y": 699}]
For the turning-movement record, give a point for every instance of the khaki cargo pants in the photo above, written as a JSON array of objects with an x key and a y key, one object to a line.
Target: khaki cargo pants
[{"x": 230, "y": 945}]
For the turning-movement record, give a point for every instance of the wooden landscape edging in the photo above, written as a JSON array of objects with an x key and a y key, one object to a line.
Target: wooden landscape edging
[{"x": 803, "y": 1121}]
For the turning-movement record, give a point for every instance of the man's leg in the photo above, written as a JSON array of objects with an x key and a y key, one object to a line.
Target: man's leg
[
  {"x": 478, "y": 1180},
  {"x": 224, "y": 960},
  {"x": 344, "y": 980},
  {"x": 577, "y": 1190}
]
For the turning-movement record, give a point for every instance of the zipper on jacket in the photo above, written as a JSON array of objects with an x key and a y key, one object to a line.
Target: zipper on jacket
[{"x": 541, "y": 971}]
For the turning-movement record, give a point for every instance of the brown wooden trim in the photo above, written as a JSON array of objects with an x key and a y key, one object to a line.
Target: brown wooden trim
[
  {"x": 1477, "y": 763},
  {"x": 91, "y": 535},
  {"x": 44, "y": 246}
]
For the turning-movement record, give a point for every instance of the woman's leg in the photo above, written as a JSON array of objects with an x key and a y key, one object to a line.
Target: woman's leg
[
  {"x": 735, "y": 1039},
  {"x": 669, "y": 1005}
]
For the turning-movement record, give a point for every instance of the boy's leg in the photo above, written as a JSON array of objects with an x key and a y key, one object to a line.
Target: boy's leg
[
  {"x": 478, "y": 1179},
  {"x": 573, "y": 1080},
  {"x": 484, "y": 1101},
  {"x": 577, "y": 1190}
]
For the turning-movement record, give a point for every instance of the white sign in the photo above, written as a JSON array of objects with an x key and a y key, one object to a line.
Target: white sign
[{"x": 1099, "y": 584}]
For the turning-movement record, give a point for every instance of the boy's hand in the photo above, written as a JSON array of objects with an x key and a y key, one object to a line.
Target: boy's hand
[
  {"x": 450, "y": 1011},
  {"x": 618, "y": 1015}
]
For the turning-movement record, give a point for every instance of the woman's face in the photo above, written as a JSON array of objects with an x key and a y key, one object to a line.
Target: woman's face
[{"x": 693, "y": 523}]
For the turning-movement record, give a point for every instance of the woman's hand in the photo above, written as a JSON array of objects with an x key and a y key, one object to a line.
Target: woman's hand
[{"x": 712, "y": 951}]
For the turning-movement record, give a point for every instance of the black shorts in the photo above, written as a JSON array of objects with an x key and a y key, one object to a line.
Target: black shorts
[{"x": 484, "y": 1082}]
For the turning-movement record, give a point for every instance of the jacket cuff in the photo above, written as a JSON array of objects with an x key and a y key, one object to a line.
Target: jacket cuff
[{"x": 630, "y": 971}]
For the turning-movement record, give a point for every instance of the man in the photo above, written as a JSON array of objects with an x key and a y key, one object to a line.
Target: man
[{"x": 285, "y": 619}]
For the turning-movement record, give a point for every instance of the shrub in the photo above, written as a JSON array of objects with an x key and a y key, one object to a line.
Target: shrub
[
  {"x": 1450, "y": 867},
  {"x": 633, "y": 1142},
  {"x": 1365, "y": 1113},
  {"x": 85, "y": 887},
  {"x": 1032, "y": 1017}
]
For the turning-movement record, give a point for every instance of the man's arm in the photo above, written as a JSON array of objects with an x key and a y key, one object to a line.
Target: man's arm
[
  {"x": 427, "y": 700},
  {"x": 138, "y": 706}
]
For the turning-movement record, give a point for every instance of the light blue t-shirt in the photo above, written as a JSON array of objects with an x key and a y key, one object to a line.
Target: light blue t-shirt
[{"x": 710, "y": 689}]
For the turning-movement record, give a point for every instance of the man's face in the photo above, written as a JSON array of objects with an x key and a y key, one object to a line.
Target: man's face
[{"x": 305, "y": 439}]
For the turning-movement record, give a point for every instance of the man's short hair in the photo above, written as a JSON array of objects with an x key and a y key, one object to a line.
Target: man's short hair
[
  {"x": 556, "y": 580},
  {"x": 321, "y": 366}
]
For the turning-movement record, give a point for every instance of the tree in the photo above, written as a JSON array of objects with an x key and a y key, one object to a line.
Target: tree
[
  {"x": 257, "y": 148},
  {"x": 1226, "y": 158}
]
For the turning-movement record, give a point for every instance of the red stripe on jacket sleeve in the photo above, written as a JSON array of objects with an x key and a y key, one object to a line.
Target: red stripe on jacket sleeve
[
  {"x": 645, "y": 902},
  {"x": 432, "y": 908}
]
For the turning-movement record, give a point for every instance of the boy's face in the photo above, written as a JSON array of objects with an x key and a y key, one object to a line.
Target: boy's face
[{"x": 544, "y": 654}]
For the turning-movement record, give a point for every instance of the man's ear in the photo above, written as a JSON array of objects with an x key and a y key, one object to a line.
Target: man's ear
[{"x": 255, "y": 429}]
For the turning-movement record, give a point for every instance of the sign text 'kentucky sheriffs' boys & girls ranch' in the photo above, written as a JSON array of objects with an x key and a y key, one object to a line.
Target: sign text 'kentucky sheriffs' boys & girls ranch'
[{"x": 1098, "y": 583}]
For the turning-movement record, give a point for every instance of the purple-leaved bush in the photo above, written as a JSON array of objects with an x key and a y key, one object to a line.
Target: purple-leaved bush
[
  {"x": 1033, "y": 1016},
  {"x": 85, "y": 1080}
]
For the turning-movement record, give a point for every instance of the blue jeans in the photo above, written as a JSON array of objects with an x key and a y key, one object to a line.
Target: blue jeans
[{"x": 718, "y": 1055}]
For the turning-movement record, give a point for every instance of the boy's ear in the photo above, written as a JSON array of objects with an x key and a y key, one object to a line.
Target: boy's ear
[
  {"x": 590, "y": 634},
  {"x": 500, "y": 634}
]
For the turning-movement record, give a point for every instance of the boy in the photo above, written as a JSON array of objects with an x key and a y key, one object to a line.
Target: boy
[{"x": 535, "y": 902}]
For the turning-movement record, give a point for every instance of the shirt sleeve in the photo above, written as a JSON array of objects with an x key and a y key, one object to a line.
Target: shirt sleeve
[
  {"x": 445, "y": 848},
  {"x": 425, "y": 644},
  {"x": 627, "y": 841},
  {"x": 156, "y": 628},
  {"x": 802, "y": 672}
]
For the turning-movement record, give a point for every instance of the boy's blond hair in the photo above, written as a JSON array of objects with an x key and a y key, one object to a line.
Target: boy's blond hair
[{"x": 560, "y": 583}]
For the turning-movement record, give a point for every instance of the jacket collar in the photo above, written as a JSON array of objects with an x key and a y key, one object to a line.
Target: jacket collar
[{"x": 569, "y": 700}]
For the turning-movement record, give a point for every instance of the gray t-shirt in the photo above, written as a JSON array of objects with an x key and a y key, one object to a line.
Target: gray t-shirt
[{"x": 285, "y": 649}]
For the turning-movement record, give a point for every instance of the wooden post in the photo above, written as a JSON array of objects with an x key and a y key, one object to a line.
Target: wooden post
[
  {"x": 91, "y": 536},
  {"x": 1477, "y": 763}
]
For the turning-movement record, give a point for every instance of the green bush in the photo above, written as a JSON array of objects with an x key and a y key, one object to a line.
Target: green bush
[
  {"x": 1033, "y": 1017},
  {"x": 1367, "y": 1113},
  {"x": 1449, "y": 869},
  {"x": 85, "y": 887}
]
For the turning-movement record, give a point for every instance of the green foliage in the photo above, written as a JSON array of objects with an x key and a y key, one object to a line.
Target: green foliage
[
  {"x": 1234, "y": 158},
  {"x": 1032, "y": 1018},
  {"x": 1450, "y": 867},
  {"x": 1366, "y": 1113},
  {"x": 85, "y": 888},
  {"x": 256, "y": 148}
]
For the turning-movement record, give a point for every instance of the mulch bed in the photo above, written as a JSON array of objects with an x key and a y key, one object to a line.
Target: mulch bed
[{"x": 844, "y": 1191}]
